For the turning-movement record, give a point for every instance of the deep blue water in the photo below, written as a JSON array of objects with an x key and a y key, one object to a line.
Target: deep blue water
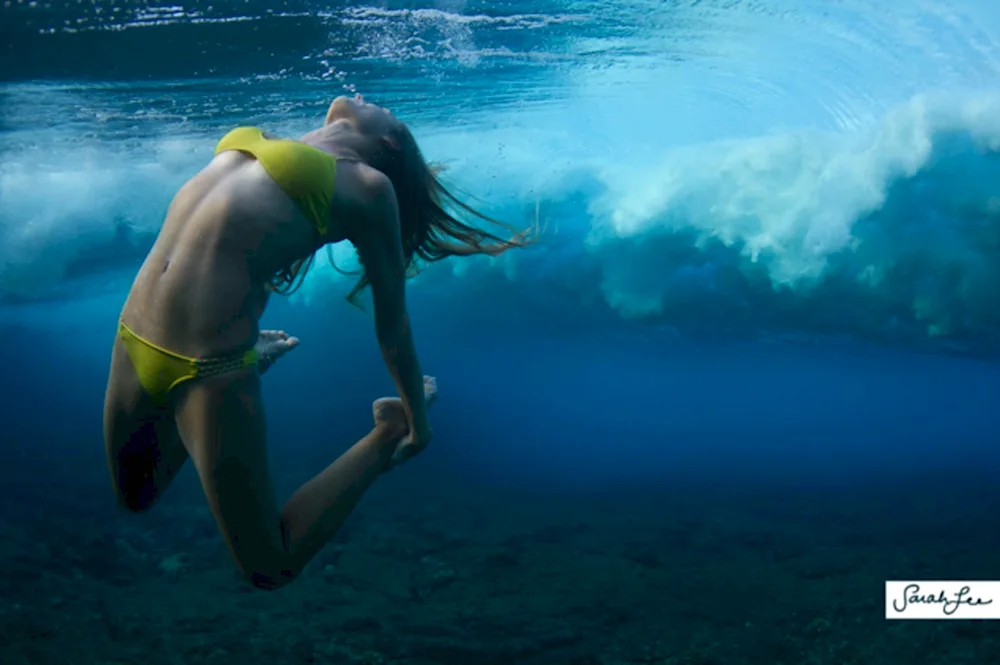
[{"x": 755, "y": 355}]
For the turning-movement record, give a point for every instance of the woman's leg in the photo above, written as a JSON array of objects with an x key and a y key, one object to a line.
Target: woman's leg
[
  {"x": 222, "y": 424},
  {"x": 143, "y": 447}
]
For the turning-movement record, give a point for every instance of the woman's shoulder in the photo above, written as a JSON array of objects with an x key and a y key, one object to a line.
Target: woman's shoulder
[{"x": 363, "y": 185}]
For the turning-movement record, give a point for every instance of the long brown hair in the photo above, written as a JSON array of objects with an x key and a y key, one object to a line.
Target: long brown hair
[
  {"x": 428, "y": 231},
  {"x": 288, "y": 280}
]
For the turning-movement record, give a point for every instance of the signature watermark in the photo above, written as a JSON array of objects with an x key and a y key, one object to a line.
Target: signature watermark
[{"x": 963, "y": 599}]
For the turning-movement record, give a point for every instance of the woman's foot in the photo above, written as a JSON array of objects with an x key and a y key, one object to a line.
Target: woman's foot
[
  {"x": 390, "y": 415},
  {"x": 271, "y": 345}
]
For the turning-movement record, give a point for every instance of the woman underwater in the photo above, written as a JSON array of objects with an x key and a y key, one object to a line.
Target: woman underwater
[{"x": 187, "y": 359}]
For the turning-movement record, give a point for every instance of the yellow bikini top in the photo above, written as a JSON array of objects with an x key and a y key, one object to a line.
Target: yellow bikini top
[{"x": 304, "y": 172}]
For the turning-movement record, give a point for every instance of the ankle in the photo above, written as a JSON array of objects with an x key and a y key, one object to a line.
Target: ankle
[{"x": 390, "y": 431}]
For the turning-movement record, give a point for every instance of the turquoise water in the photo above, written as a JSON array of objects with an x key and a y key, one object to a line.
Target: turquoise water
[{"x": 749, "y": 374}]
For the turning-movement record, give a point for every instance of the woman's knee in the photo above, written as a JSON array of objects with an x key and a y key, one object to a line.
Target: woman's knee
[
  {"x": 269, "y": 579},
  {"x": 135, "y": 495}
]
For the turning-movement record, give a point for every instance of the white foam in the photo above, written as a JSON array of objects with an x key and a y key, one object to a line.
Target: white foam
[
  {"x": 787, "y": 203},
  {"x": 797, "y": 142}
]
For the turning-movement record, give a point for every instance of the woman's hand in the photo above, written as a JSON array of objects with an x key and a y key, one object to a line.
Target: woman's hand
[{"x": 390, "y": 414}]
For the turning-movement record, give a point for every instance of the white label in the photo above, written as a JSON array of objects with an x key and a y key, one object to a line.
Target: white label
[{"x": 942, "y": 599}]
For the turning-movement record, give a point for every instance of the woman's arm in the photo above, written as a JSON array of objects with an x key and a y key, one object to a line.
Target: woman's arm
[{"x": 381, "y": 252}]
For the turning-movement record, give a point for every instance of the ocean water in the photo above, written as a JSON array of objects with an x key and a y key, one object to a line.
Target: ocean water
[{"x": 749, "y": 373}]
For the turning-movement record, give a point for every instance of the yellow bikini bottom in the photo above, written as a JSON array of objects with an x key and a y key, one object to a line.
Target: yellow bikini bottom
[{"x": 161, "y": 370}]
